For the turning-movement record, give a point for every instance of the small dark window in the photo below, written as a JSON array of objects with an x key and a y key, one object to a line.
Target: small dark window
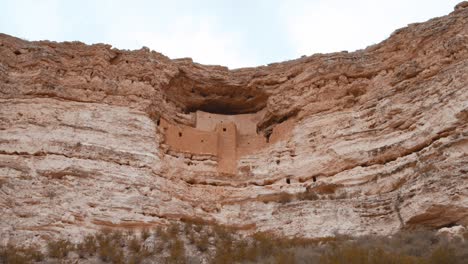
[
  {"x": 278, "y": 162},
  {"x": 314, "y": 178},
  {"x": 158, "y": 122},
  {"x": 180, "y": 134},
  {"x": 224, "y": 129},
  {"x": 202, "y": 141},
  {"x": 288, "y": 181}
]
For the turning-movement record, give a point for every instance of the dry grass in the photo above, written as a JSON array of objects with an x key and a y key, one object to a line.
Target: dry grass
[
  {"x": 285, "y": 197},
  {"x": 18, "y": 255},
  {"x": 110, "y": 246},
  {"x": 145, "y": 234},
  {"x": 326, "y": 188},
  {"x": 134, "y": 245},
  {"x": 308, "y": 195},
  {"x": 177, "y": 252},
  {"x": 221, "y": 244},
  {"x": 88, "y": 247},
  {"x": 202, "y": 242},
  {"x": 59, "y": 249},
  {"x": 3, "y": 181},
  {"x": 49, "y": 193}
]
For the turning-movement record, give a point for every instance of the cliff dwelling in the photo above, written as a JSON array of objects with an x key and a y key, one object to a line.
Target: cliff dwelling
[
  {"x": 157, "y": 151},
  {"x": 225, "y": 137}
]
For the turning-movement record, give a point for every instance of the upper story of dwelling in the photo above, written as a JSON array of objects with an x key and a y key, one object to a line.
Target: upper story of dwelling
[{"x": 246, "y": 124}]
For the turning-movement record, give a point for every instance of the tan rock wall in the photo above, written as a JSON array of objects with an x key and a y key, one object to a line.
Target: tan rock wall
[
  {"x": 380, "y": 134},
  {"x": 248, "y": 144},
  {"x": 282, "y": 131}
]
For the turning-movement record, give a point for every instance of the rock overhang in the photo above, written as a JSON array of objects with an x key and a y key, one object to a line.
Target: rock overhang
[{"x": 193, "y": 93}]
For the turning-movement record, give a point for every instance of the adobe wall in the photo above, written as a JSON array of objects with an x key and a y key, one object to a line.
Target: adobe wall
[
  {"x": 246, "y": 123},
  {"x": 227, "y": 147},
  {"x": 188, "y": 139},
  {"x": 249, "y": 144},
  {"x": 226, "y": 137}
]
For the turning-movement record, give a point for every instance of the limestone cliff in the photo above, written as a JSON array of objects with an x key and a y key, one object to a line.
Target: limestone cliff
[{"x": 367, "y": 142}]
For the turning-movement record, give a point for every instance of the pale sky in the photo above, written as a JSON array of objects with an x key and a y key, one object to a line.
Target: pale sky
[{"x": 235, "y": 33}]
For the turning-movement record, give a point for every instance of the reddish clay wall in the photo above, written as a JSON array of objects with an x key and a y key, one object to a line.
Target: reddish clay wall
[
  {"x": 246, "y": 123},
  {"x": 227, "y": 148},
  {"x": 249, "y": 144},
  {"x": 227, "y": 137},
  {"x": 187, "y": 139}
]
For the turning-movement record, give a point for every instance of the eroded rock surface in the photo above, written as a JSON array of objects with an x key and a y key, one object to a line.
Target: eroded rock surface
[{"x": 376, "y": 140}]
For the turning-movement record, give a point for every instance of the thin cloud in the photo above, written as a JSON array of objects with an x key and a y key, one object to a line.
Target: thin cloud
[
  {"x": 30, "y": 19},
  {"x": 332, "y": 26},
  {"x": 189, "y": 37}
]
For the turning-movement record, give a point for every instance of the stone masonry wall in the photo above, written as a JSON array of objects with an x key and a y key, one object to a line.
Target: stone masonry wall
[{"x": 226, "y": 136}]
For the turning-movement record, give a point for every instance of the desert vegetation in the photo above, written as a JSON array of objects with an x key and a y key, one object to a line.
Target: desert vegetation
[{"x": 194, "y": 242}]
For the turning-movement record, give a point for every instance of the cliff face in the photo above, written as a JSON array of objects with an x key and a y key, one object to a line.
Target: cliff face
[{"x": 367, "y": 142}]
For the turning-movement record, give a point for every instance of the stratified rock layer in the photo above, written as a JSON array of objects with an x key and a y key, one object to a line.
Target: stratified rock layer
[{"x": 379, "y": 139}]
